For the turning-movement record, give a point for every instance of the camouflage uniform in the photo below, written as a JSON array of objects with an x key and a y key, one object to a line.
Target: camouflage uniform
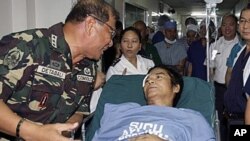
[{"x": 38, "y": 80}]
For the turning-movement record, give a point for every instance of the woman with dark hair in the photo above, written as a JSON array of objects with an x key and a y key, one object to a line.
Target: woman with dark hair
[{"x": 130, "y": 62}]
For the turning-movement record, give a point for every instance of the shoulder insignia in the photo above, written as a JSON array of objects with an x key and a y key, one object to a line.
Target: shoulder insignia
[
  {"x": 115, "y": 61},
  {"x": 53, "y": 40},
  {"x": 13, "y": 57}
]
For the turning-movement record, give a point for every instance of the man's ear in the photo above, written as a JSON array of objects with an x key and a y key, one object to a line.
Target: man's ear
[
  {"x": 176, "y": 88},
  {"x": 89, "y": 24}
]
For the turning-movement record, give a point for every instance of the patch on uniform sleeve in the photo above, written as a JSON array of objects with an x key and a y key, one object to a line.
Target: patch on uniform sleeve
[
  {"x": 55, "y": 64},
  {"x": 13, "y": 58},
  {"x": 116, "y": 61},
  {"x": 87, "y": 71}
]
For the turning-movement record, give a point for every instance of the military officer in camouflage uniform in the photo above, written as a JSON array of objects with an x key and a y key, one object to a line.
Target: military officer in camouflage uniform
[{"x": 47, "y": 75}]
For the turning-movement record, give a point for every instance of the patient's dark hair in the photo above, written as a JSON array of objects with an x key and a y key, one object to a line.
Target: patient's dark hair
[{"x": 176, "y": 79}]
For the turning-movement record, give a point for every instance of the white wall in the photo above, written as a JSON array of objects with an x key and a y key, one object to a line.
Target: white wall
[
  {"x": 31, "y": 14},
  {"x": 49, "y": 12},
  {"x": 17, "y": 15},
  {"x": 5, "y": 16}
]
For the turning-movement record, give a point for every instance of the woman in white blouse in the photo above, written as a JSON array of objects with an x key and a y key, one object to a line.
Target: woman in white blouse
[{"x": 130, "y": 62}]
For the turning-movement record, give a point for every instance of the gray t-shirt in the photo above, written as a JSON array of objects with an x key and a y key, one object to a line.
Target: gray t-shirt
[
  {"x": 171, "y": 55},
  {"x": 128, "y": 120}
]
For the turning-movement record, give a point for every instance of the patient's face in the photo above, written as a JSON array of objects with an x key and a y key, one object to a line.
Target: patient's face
[{"x": 158, "y": 89}]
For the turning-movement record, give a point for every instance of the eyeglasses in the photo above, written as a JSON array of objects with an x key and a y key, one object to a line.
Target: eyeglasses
[
  {"x": 243, "y": 21},
  {"x": 113, "y": 32}
]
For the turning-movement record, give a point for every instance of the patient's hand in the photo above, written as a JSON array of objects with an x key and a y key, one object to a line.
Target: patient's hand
[{"x": 147, "y": 137}]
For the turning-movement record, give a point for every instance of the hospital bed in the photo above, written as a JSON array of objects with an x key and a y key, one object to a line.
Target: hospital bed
[{"x": 197, "y": 95}]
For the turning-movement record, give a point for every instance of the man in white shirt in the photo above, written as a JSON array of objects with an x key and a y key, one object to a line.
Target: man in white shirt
[{"x": 220, "y": 51}]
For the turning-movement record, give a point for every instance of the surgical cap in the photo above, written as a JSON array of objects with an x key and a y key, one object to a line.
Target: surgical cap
[
  {"x": 170, "y": 25},
  {"x": 192, "y": 27}
]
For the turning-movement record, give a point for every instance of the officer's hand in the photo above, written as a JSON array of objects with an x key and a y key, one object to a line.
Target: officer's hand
[
  {"x": 53, "y": 132},
  {"x": 100, "y": 80}
]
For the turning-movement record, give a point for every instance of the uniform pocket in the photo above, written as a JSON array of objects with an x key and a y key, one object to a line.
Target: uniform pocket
[{"x": 46, "y": 91}]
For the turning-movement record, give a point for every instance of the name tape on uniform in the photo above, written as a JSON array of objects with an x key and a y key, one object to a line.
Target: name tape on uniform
[
  {"x": 239, "y": 133},
  {"x": 51, "y": 72},
  {"x": 85, "y": 78}
]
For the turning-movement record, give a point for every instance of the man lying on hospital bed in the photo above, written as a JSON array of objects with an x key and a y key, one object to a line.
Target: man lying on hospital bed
[{"x": 158, "y": 120}]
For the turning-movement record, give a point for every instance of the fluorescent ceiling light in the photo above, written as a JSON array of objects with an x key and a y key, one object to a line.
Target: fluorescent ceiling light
[
  {"x": 200, "y": 14},
  {"x": 156, "y": 14}
]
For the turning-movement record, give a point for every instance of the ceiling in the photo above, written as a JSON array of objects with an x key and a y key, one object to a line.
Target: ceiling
[{"x": 185, "y": 7}]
